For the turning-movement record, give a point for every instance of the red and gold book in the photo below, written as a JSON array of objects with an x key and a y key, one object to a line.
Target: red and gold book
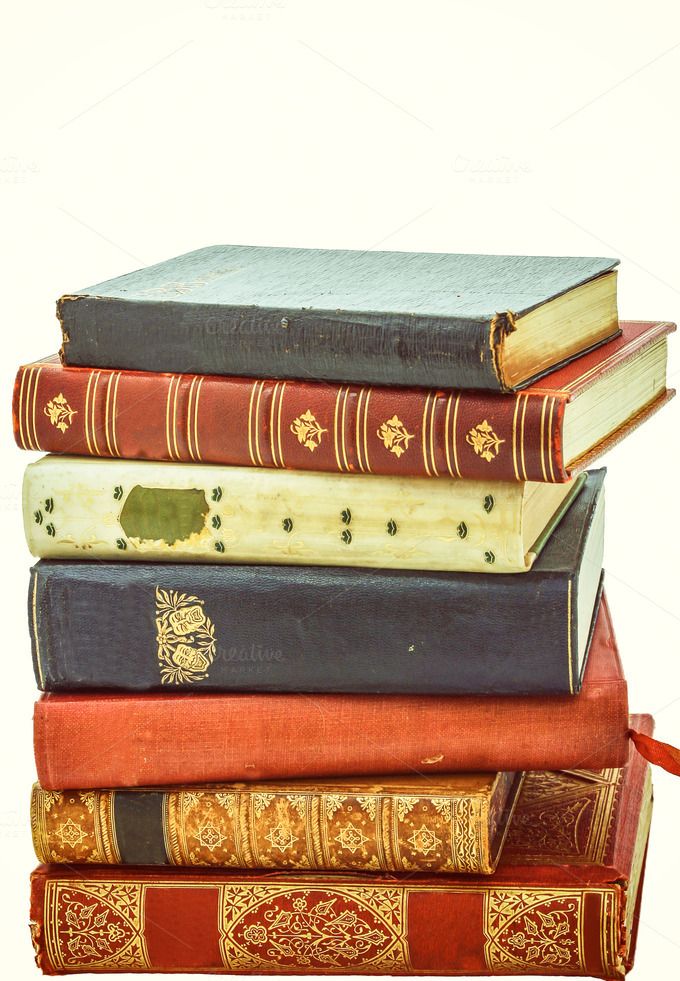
[
  {"x": 543, "y": 433},
  {"x": 564, "y": 900},
  {"x": 164, "y": 739}
]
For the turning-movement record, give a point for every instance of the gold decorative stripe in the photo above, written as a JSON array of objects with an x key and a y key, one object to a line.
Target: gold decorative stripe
[
  {"x": 114, "y": 410},
  {"x": 344, "y": 411},
  {"x": 281, "y": 460},
  {"x": 543, "y": 446},
  {"x": 357, "y": 427},
  {"x": 24, "y": 373},
  {"x": 424, "y": 433},
  {"x": 174, "y": 417},
  {"x": 446, "y": 434},
  {"x": 197, "y": 396},
  {"x": 366, "y": 457},
  {"x": 33, "y": 402},
  {"x": 524, "y": 412},
  {"x": 251, "y": 427},
  {"x": 191, "y": 394},
  {"x": 434, "y": 409},
  {"x": 550, "y": 456},
  {"x": 87, "y": 414},
  {"x": 165, "y": 824},
  {"x": 167, "y": 418},
  {"x": 112, "y": 836},
  {"x": 29, "y": 403},
  {"x": 94, "y": 413},
  {"x": 107, "y": 404},
  {"x": 514, "y": 437},
  {"x": 257, "y": 424},
  {"x": 571, "y": 670},
  {"x": 272, "y": 440},
  {"x": 454, "y": 435},
  {"x": 335, "y": 429}
]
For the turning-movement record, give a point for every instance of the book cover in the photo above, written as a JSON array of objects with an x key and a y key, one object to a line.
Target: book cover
[
  {"x": 142, "y": 740},
  {"x": 181, "y": 626},
  {"x": 307, "y": 425},
  {"x": 386, "y": 318},
  {"x": 78, "y": 507},
  {"x": 451, "y": 823},
  {"x": 564, "y": 900}
]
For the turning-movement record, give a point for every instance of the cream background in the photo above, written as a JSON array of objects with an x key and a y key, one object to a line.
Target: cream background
[{"x": 134, "y": 131}]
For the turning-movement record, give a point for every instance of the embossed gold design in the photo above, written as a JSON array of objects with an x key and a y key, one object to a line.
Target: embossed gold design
[
  {"x": 59, "y": 412},
  {"x": 69, "y": 833},
  {"x": 394, "y": 436},
  {"x": 185, "y": 638},
  {"x": 95, "y": 926},
  {"x": 210, "y": 837},
  {"x": 424, "y": 840},
  {"x": 351, "y": 837},
  {"x": 484, "y": 441},
  {"x": 318, "y": 930},
  {"x": 533, "y": 931},
  {"x": 281, "y": 837},
  {"x": 308, "y": 431}
]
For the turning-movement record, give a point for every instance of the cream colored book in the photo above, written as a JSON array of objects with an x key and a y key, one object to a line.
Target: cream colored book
[{"x": 79, "y": 508}]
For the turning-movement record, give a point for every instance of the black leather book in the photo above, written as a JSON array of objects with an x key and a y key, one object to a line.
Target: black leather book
[
  {"x": 389, "y": 318},
  {"x": 144, "y": 626}
]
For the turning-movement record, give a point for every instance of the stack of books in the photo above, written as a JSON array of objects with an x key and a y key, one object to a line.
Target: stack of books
[{"x": 330, "y": 682}]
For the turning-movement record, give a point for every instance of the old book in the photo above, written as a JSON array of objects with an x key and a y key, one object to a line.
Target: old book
[
  {"x": 75, "y": 507},
  {"x": 385, "y": 318},
  {"x": 167, "y": 739},
  {"x": 144, "y": 626},
  {"x": 565, "y": 900},
  {"x": 439, "y": 824},
  {"x": 545, "y": 433}
]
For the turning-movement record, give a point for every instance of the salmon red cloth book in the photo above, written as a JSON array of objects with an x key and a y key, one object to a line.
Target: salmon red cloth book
[
  {"x": 305, "y": 425},
  {"x": 118, "y": 740},
  {"x": 564, "y": 900}
]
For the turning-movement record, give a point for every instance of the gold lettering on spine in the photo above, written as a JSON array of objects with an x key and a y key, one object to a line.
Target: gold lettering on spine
[{"x": 424, "y": 433}]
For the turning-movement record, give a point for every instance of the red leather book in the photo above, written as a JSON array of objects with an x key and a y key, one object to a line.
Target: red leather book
[
  {"x": 120, "y": 740},
  {"x": 331, "y": 427},
  {"x": 564, "y": 900}
]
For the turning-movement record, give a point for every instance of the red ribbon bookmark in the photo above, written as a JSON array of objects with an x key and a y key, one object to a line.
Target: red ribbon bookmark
[{"x": 654, "y": 751}]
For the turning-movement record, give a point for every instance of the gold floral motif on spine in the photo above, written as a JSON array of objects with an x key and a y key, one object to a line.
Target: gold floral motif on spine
[
  {"x": 73, "y": 827},
  {"x": 255, "y": 829},
  {"x": 95, "y": 926},
  {"x": 534, "y": 931},
  {"x": 313, "y": 929}
]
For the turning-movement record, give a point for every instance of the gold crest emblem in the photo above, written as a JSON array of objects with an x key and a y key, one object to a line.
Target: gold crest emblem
[
  {"x": 185, "y": 637},
  {"x": 394, "y": 435},
  {"x": 59, "y": 412},
  {"x": 307, "y": 430},
  {"x": 484, "y": 441}
]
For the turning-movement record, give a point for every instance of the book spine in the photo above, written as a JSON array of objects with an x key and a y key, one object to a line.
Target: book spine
[
  {"x": 296, "y": 425},
  {"x": 175, "y": 739},
  {"x": 75, "y": 507},
  {"x": 274, "y": 924},
  {"x": 374, "y": 348},
  {"x": 239, "y": 826},
  {"x": 148, "y": 626}
]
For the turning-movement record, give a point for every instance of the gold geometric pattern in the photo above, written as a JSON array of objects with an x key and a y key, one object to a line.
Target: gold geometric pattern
[
  {"x": 210, "y": 837},
  {"x": 281, "y": 837},
  {"x": 70, "y": 833},
  {"x": 351, "y": 838},
  {"x": 484, "y": 441},
  {"x": 313, "y": 929},
  {"x": 424, "y": 840},
  {"x": 533, "y": 931}
]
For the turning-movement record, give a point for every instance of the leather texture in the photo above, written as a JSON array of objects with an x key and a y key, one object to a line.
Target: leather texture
[
  {"x": 303, "y": 425},
  {"x": 300, "y": 628},
  {"x": 386, "y": 318},
  {"x": 556, "y": 905}
]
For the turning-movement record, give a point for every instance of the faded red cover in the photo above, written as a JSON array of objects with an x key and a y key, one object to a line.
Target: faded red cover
[
  {"x": 316, "y": 425},
  {"x": 118, "y": 740},
  {"x": 558, "y": 903}
]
